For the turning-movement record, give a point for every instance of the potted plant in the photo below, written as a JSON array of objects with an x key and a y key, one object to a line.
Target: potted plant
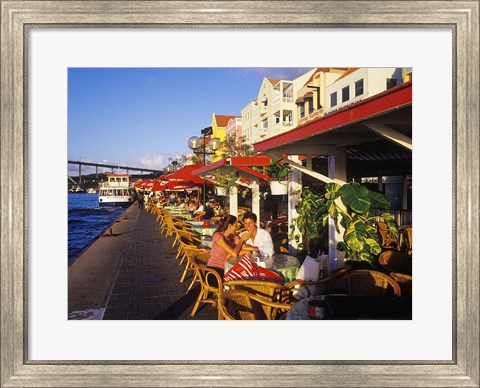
[
  {"x": 224, "y": 181},
  {"x": 349, "y": 206},
  {"x": 279, "y": 174}
]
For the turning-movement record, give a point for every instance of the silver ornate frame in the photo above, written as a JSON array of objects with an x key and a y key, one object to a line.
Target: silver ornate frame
[{"x": 461, "y": 16}]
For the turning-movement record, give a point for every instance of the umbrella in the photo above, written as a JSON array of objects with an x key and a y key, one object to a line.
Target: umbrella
[
  {"x": 184, "y": 174},
  {"x": 177, "y": 186}
]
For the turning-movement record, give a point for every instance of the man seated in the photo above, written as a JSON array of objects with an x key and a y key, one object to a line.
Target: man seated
[{"x": 260, "y": 241}]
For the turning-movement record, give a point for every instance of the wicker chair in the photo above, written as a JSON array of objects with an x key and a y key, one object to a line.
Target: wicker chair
[
  {"x": 270, "y": 291},
  {"x": 387, "y": 241},
  {"x": 320, "y": 287},
  {"x": 201, "y": 254},
  {"x": 365, "y": 282},
  {"x": 209, "y": 292},
  {"x": 405, "y": 283},
  {"x": 396, "y": 261},
  {"x": 185, "y": 238},
  {"x": 242, "y": 305}
]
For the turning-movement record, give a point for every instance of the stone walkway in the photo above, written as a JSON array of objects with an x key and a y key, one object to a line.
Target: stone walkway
[{"x": 147, "y": 282}]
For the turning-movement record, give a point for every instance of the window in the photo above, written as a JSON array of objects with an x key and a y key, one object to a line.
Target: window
[
  {"x": 310, "y": 105},
  {"x": 302, "y": 109},
  {"x": 391, "y": 82},
  {"x": 359, "y": 88},
  {"x": 345, "y": 93},
  {"x": 333, "y": 99}
]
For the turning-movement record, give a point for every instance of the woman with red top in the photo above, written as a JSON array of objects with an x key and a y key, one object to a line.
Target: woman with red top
[{"x": 222, "y": 247}]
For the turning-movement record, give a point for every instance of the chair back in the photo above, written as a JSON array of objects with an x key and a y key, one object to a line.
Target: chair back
[
  {"x": 386, "y": 241},
  {"x": 405, "y": 283},
  {"x": 268, "y": 290},
  {"x": 210, "y": 280},
  {"x": 365, "y": 282},
  {"x": 242, "y": 305},
  {"x": 396, "y": 261},
  {"x": 238, "y": 305}
]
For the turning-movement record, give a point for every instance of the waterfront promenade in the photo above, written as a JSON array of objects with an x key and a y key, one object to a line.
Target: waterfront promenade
[{"x": 132, "y": 274}]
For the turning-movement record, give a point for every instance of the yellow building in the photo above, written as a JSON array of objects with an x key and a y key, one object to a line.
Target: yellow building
[{"x": 219, "y": 125}]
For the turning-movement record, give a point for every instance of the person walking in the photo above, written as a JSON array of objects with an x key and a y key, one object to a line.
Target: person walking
[{"x": 140, "y": 199}]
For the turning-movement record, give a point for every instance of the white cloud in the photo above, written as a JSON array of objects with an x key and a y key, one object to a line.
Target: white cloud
[{"x": 155, "y": 162}]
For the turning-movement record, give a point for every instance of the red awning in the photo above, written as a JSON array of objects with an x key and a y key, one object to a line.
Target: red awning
[
  {"x": 185, "y": 174},
  {"x": 240, "y": 164}
]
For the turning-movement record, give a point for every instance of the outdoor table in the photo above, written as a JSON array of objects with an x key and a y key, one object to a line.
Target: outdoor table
[
  {"x": 185, "y": 216},
  {"x": 195, "y": 222},
  {"x": 355, "y": 307},
  {"x": 205, "y": 231},
  {"x": 282, "y": 263}
]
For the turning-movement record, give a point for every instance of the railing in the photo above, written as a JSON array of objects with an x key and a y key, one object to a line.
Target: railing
[
  {"x": 115, "y": 184},
  {"x": 402, "y": 217}
]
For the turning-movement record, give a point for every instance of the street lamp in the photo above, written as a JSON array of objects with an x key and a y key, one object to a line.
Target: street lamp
[{"x": 199, "y": 147}]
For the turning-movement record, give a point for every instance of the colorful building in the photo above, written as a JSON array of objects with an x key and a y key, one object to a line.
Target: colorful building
[{"x": 219, "y": 125}]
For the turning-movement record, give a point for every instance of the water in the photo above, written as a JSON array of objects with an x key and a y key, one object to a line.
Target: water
[{"x": 86, "y": 221}]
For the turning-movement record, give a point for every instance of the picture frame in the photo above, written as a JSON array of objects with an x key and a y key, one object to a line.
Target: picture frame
[{"x": 461, "y": 17}]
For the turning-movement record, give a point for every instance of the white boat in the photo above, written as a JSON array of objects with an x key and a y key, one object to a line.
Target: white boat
[
  {"x": 91, "y": 191},
  {"x": 116, "y": 191}
]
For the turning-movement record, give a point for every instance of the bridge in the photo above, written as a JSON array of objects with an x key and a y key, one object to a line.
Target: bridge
[{"x": 113, "y": 167}]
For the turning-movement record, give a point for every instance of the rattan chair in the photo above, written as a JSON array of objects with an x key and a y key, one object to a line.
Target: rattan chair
[
  {"x": 405, "y": 283},
  {"x": 242, "y": 305},
  {"x": 396, "y": 261},
  {"x": 318, "y": 287},
  {"x": 264, "y": 289},
  {"x": 387, "y": 241},
  {"x": 365, "y": 282},
  {"x": 209, "y": 291},
  {"x": 201, "y": 254}
]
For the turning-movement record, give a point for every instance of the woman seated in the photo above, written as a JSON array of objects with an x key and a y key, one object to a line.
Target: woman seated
[{"x": 222, "y": 246}]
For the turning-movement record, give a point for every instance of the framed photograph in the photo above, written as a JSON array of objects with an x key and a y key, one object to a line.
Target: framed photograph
[{"x": 41, "y": 40}]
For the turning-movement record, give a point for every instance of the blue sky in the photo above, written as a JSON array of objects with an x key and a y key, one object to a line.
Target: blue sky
[{"x": 142, "y": 116}]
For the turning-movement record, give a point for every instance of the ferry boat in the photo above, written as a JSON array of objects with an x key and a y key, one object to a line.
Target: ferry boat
[{"x": 116, "y": 191}]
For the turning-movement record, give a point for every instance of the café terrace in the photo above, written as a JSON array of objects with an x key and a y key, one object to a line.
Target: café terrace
[{"x": 343, "y": 162}]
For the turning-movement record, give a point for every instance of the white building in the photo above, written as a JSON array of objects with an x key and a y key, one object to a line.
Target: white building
[
  {"x": 359, "y": 83},
  {"x": 248, "y": 113}
]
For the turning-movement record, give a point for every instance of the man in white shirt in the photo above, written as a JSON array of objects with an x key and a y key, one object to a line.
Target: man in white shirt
[{"x": 260, "y": 241}]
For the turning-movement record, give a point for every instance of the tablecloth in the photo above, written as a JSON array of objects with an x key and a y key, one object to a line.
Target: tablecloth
[{"x": 284, "y": 264}]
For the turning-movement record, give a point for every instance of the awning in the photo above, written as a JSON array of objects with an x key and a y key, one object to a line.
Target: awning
[{"x": 241, "y": 165}]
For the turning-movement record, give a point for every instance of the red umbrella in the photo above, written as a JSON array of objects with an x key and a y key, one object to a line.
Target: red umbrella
[
  {"x": 177, "y": 186},
  {"x": 139, "y": 184},
  {"x": 184, "y": 174}
]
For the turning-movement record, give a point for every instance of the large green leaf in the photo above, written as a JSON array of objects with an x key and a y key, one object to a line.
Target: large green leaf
[
  {"x": 355, "y": 236},
  {"x": 372, "y": 246},
  {"x": 356, "y": 197},
  {"x": 332, "y": 191},
  {"x": 331, "y": 208},
  {"x": 378, "y": 200}
]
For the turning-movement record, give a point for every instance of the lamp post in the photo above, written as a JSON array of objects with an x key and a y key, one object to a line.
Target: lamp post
[{"x": 199, "y": 147}]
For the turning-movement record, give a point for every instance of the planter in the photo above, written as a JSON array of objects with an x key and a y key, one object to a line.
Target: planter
[
  {"x": 221, "y": 191},
  {"x": 279, "y": 188}
]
